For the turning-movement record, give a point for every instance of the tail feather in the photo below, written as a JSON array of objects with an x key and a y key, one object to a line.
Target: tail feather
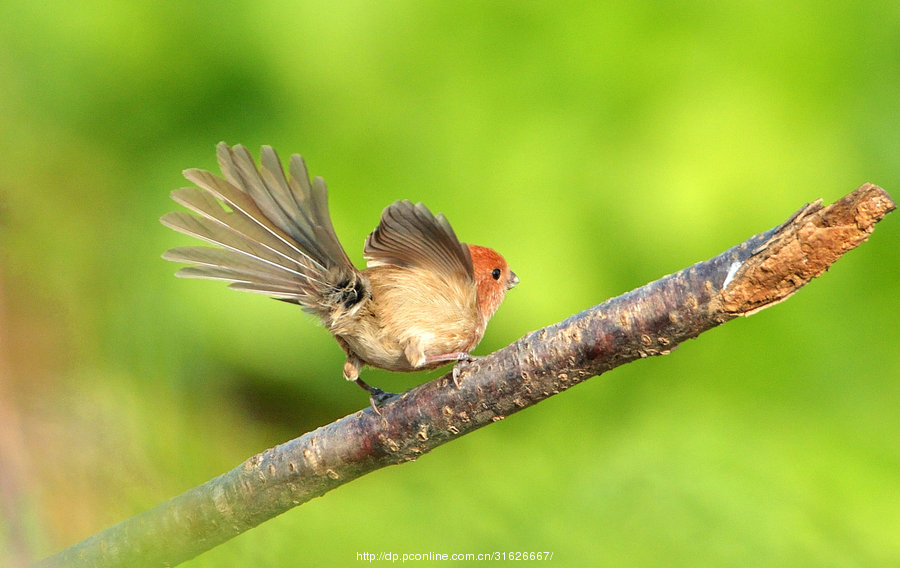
[
  {"x": 241, "y": 230},
  {"x": 286, "y": 294},
  {"x": 245, "y": 268},
  {"x": 231, "y": 240},
  {"x": 248, "y": 214},
  {"x": 300, "y": 209},
  {"x": 275, "y": 233},
  {"x": 314, "y": 198},
  {"x": 245, "y": 283}
]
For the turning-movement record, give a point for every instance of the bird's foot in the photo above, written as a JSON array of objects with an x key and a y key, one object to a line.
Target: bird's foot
[
  {"x": 377, "y": 397},
  {"x": 463, "y": 363}
]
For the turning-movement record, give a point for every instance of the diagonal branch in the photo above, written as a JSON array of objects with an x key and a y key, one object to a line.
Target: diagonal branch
[{"x": 651, "y": 320}]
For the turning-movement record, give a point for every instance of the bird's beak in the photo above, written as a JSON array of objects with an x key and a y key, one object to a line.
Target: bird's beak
[{"x": 513, "y": 280}]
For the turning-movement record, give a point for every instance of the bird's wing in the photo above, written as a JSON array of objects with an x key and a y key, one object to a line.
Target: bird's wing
[{"x": 410, "y": 236}]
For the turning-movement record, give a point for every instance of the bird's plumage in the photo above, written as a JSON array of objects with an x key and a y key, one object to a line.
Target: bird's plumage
[{"x": 424, "y": 299}]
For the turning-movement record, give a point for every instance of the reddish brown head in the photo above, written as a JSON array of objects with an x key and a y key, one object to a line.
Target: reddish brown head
[{"x": 492, "y": 278}]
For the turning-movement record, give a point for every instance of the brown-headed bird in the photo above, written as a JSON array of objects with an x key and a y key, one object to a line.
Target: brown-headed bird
[{"x": 423, "y": 301}]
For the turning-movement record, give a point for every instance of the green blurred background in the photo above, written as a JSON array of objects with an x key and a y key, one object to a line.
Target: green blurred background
[{"x": 598, "y": 146}]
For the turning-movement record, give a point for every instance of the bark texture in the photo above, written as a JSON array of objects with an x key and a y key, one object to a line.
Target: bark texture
[{"x": 651, "y": 320}]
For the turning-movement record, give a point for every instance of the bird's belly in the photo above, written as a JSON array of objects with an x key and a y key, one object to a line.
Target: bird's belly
[
  {"x": 379, "y": 353},
  {"x": 412, "y": 317},
  {"x": 391, "y": 354}
]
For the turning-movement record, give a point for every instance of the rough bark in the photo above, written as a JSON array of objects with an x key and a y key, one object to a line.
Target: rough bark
[{"x": 651, "y": 320}]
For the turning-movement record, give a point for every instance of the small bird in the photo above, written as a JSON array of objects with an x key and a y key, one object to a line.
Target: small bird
[{"x": 423, "y": 301}]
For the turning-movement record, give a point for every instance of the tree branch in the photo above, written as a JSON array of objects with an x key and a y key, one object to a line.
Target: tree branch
[{"x": 651, "y": 320}]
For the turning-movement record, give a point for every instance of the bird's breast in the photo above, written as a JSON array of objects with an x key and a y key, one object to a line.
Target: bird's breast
[{"x": 439, "y": 313}]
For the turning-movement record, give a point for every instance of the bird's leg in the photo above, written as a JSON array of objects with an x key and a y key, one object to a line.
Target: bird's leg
[
  {"x": 377, "y": 397},
  {"x": 455, "y": 356},
  {"x": 415, "y": 354}
]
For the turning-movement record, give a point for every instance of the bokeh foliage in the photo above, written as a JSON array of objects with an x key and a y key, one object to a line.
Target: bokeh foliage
[{"x": 597, "y": 146}]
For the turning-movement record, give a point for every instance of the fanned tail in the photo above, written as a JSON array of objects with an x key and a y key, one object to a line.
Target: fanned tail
[{"x": 275, "y": 233}]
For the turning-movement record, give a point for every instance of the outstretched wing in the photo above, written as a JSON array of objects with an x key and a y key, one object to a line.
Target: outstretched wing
[{"x": 410, "y": 236}]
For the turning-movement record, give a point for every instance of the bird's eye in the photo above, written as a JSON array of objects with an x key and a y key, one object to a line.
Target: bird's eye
[{"x": 495, "y": 274}]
